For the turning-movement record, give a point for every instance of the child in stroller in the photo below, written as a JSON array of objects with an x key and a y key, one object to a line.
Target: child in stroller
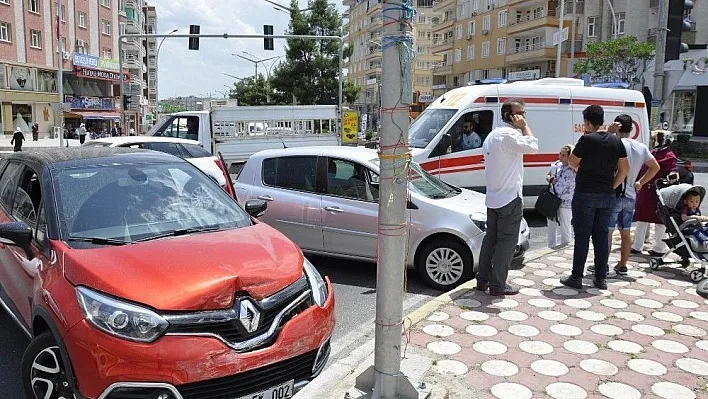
[{"x": 679, "y": 212}]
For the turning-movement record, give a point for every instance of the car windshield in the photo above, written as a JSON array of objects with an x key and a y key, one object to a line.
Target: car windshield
[
  {"x": 125, "y": 203},
  {"x": 427, "y": 125},
  {"x": 425, "y": 184}
]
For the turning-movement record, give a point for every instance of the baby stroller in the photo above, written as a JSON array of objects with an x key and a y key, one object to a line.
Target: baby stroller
[{"x": 670, "y": 194}]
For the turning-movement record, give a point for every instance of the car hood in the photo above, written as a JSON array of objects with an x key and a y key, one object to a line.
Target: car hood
[
  {"x": 196, "y": 272},
  {"x": 467, "y": 202}
]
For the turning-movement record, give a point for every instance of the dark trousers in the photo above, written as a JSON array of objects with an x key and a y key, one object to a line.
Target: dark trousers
[
  {"x": 499, "y": 244},
  {"x": 82, "y": 138},
  {"x": 591, "y": 217}
]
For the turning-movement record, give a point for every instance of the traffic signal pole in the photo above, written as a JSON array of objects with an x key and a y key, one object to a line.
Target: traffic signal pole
[
  {"x": 338, "y": 39},
  {"x": 661, "y": 29}
]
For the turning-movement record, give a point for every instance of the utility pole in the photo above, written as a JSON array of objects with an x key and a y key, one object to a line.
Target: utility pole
[
  {"x": 395, "y": 158},
  {"x": 658, "y": 93},
  {"x": 571, "y": 64},
  {"x": 60, "y": 77},
  {"x": 560, "y": 38}
]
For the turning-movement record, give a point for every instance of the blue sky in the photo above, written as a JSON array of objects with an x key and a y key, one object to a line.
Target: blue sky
[{"x": 185, "y": 72}]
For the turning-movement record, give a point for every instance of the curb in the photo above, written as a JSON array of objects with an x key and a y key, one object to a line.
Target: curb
[{"x": 334, "y": 381}]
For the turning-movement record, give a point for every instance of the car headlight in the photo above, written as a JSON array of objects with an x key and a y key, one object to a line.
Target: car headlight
[
  {"x": 317, "y": 283},
  {"x": 118, "y": 318},
  {"x": 480, "y": 220}
]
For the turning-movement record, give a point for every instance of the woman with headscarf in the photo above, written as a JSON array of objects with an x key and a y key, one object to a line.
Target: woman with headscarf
[{"x": 645, "y": 210}]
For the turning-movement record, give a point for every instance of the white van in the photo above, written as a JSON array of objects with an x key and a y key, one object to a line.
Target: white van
[{"x": 554, "y": 111}]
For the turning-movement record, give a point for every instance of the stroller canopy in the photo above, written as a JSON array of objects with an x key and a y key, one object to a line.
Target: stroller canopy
[{"x": 671, "y": 196}]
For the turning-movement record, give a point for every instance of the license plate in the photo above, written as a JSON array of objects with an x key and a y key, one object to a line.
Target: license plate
[{"x": 282, "y": 391}]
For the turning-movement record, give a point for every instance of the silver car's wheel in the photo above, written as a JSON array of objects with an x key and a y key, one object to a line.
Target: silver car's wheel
[{"x": 444, "y": 264}]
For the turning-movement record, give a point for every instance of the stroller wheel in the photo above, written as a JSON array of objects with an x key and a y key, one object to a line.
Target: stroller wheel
[
  {"x": 696, "y": 275},
  {"x": 654, "y": 264}
]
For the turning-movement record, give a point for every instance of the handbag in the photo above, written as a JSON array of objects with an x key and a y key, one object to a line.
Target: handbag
[{"x": 548, "y": 203}]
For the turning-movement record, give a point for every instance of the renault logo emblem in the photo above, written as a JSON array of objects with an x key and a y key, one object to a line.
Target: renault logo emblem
[{"x": 248, "y": 315}]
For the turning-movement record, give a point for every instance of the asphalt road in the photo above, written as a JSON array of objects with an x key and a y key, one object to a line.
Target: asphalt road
[{"x": 355, "y": 292}]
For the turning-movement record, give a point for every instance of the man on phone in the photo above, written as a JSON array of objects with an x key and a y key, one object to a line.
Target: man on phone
[{"x": 504, "y": 151}]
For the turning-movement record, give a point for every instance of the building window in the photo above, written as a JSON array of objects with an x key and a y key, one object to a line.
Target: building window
[
  {"x": 502, "y": 18},
  {"x": 107, "y": 53},
  {"x": 105, "y": 27},
  {"x": 62, "y": 13},
  {"x": 458, "y": 32},
  {"x": 82, "y": 19},
  {"x": 35, "y": 39},
  {"x": 620, "y": 22},
  {"x": 591, "y": 26},
  {"x": 471, "y": 27},
  {"x": 475, "y": 5},
  {"x": 33, "y": 6},
  {"x": 106, "y": 3},
  {"x": 501, "y": 46},
  {"x": 470, "y": 52},
  {"x": 5, "y": 2},
  {"x": 458, "y": 54},
  {"x": 5, "y": 32},
  {"x": 80, "y": 46},
  {"x": 487, "y": 23},
  {"x": 485, "y": 49}
]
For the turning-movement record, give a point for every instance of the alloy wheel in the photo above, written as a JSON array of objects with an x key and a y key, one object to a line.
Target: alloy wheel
[
  {"x": 444, "y": 266},
  {"x": 48, "y": 376}
]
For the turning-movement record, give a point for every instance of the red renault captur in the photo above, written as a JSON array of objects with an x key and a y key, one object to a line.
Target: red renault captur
[{"x": 137, "y": 276}]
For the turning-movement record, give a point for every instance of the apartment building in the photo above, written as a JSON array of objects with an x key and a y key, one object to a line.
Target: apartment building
[
  {"x": 30, "y": 54},
  {"x": 149, "y": 100},
  {"x": 425, "y": 59}
]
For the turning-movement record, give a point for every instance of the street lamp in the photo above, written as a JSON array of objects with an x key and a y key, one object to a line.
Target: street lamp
[
  {"x": 255, "y": 60},
  {"x": 157, "y": 57}
]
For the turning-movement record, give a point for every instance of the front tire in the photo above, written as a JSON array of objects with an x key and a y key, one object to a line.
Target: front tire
[
  {"x": 44, "y": 374},
  {"x": 444, "y": 264}
]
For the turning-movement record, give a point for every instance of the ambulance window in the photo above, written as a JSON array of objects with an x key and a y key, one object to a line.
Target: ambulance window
[
  {"x": 427, "y": 126},
  {"x": 471, "y": 129}
]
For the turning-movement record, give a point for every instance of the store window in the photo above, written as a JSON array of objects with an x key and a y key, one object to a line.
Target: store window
[
  {"x": 22, "y": 117},
  {"x": 683, "y": 111}
]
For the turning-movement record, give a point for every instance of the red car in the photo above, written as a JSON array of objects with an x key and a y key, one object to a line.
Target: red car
[{"x": 137, "y": 276}]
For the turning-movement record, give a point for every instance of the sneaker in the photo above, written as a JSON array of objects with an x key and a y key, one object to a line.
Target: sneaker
[
  {"x": 591, "y": 269},
  {"x": 572, "y": 282},
  {"x": 635, "y": 252},
  {"x": 508, "y": 290},
  {"x": 600, "y": 283},
  {"x": 621, "y": 270}
]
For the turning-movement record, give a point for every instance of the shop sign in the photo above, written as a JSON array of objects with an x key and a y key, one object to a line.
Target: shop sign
[
  {"x": 81, "y": 102},
  {"x": 109, "y": 64},
  {"x": 98, "y": 74},
  {"x": 85, "y": 60},
  {"x": 349, "y": 127},
  {"x": 426, "y": 98},
  {"x": 532, "y": 74}
]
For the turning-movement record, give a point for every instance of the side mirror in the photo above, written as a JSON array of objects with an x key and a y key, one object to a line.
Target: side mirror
[
  {"x": 19, "y": 234},
  {"x": 256, "y": 208},
  {"x": 444, "y": 146}
]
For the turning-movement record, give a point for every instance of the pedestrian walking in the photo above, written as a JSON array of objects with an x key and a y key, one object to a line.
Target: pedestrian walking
[
  {"x": 81, "y": 132},
  {"x": 35, "y": 132},
  {"x": 17, "y": 139},
  {"x": 504, "y": 150},
  {"x": 602, "y": 165},
  {"x": 562, "y": 179},
  {"x": 114, "y": 130},
  {"x": 645, "y": 212},
  {"x": 639, "y": 158}
]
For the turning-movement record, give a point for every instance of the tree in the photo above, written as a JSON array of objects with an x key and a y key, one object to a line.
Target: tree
[
  {"x": 310, "y": 70},
  {"x": 256, "y": 91},
  {"x": 350, "y": 91},
  {"x": 616, "y": 60}
]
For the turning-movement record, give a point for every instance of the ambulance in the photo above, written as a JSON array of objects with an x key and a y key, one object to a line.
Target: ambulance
[{"x": 554, "y": 112}]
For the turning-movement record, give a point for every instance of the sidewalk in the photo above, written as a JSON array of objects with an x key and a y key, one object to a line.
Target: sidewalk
[{"x": 644, "y": 337}]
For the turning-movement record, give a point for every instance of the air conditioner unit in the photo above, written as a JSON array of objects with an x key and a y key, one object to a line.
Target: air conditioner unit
[
  {"x": 65, "y": 55},
  {"x": 474, "y": 14},
  {"x": 485, "y": 31},
  {"x": 470, "y": 36}
]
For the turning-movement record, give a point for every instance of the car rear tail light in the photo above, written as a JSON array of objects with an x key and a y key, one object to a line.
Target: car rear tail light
[
  {"x": 228, "y": 187},
  {"x": 688, "y": 165}
]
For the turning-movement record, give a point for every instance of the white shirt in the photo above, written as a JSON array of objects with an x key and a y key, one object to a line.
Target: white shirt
[
  {"x": 470, "y": 141},
  {"x": 504, "y": 151},
  {"x": 637, "y": 155}
]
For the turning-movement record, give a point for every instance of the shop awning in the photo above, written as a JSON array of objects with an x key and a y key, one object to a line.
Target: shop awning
[{"x": 96, "y": 115}]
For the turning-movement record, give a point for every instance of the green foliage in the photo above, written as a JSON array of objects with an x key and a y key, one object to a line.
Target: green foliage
[
  {"x": 616, "y": 60},
  {"x": 310, "y": 70},
  {"x": 256, "y": 91},
  {"x": 168, "y": 108}
]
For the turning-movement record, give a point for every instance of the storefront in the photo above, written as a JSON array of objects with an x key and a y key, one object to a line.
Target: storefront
[{"x": 27, "y": 95}]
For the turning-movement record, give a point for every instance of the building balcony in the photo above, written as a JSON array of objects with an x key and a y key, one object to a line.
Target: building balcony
[
  {"x": 579, "y": 8},
  {"x": 444, "y": 24},
  {"x": 132, "y": 63},
  {"x": 131, "y": 45},
  {"x": 530, "y": 54},
  {"x": 441, "y": 45},
  {"x": 441, "y": 5},
  {"x": 375, "y": 8},
  {"x": 544, "y": 19},
  {"x": 442, "y": 70},
  {"x": 374, "y": 54}
]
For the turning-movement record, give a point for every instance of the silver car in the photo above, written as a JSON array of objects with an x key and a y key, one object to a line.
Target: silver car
[{"x": 325, "y": 199}]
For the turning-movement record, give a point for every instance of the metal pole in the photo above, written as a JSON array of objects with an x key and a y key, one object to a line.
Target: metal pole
[
  {"x": 157, "y": 69},
  {"x": 122, "y": 83},
  {"x": 571, "y": 65},
  {"x": 614, "y": 19},
  {"x": 341, "y": 85},
  {"x": 560, "y": 39},
  {"x": 660, "y": 56},
  {"x": 393, "y": 230},
  {"x": 60, "y": 77}
]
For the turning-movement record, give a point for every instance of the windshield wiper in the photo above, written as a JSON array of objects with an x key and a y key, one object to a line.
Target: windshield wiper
[
  {"x": 100, "y": 240},
  {"x": 182, "y": 232}
]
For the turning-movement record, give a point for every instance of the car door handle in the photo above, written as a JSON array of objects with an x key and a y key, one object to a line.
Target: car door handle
[
  {"x": 334, "y": 209},
  {"x": 265, "y": 197}
]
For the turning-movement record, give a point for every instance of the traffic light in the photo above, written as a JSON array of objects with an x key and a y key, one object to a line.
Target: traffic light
[
  {"x": 676, "y": 25},
  {"x": 268, "y": 41},
  {"x": 194, "y": 41},
  {"x": 126, "y": 101}
]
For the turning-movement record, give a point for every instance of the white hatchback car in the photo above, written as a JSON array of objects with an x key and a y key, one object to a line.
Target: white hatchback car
[
  {"x": 325, "y": 199},
  {"x": 189, "y": 150}
]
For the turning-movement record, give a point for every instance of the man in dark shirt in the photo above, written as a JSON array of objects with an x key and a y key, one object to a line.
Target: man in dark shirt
[
  {"x": 602, "y": 165},
  {"x": 17, "y": 139}
]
